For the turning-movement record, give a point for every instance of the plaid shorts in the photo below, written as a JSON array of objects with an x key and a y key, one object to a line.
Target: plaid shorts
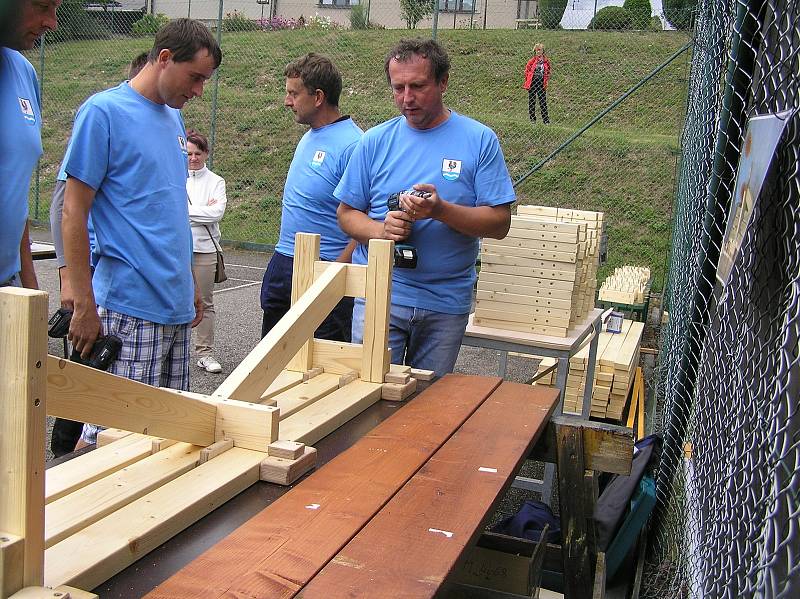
[{"x": 152, "y": 353}]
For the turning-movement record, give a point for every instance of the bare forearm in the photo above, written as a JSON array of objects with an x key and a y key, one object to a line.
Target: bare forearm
[
  {"x": 358, "y": 225},
  {"x": 347, "y": 252},
  {"x": 27, "y": 272},
  {"x": 75, "y": 234},
  {"x": 476, "y": 221}
]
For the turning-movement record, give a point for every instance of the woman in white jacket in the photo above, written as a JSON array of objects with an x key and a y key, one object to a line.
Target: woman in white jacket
[{"x": 207, "y": 200}]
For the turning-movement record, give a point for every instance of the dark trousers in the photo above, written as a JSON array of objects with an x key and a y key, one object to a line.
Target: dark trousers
[
  {"x": 537, "y": 89},
  {"x": 65, "y": 435},
  {"x": 276, "y": 299}
]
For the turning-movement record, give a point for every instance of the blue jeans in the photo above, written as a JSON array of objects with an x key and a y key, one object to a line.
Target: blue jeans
[{"x": 419, "y": 338}]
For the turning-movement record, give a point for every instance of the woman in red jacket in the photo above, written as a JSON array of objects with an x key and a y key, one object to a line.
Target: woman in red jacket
[{"x": 537, "y": 74}]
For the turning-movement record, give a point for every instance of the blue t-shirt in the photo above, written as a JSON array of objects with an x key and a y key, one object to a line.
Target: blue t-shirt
[
  {"x": 463, "y": 159},
  {"x": 20, "y": 148},
  {"x": 132, "y": 152},
  {"x": 308, "y": 202}
]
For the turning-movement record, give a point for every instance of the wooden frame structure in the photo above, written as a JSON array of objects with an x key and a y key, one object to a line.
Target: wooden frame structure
[{"x": 93, "y": 516}]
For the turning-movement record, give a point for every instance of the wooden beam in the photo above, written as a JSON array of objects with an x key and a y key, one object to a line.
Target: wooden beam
[
  {"x": 262, "y": 365},
  {"x": 305, "y": 394},
  {"x": 338, "y": 357},
  {"x": 85, "y": 506},
  {"x": 84, "y": 394},
  {"x": 285, "y": 380},
  {"x": 94, "y": 554},
  {"x": 109, "y": 435},
  {"x": 374, "y": 363},
  {"x": 23, "y": 391},
  {"x": 306, "y": 252},
  {"x": 606, "y": 447},
  {"x": 356, "y": 282},
  {"x": 59, "y": 592},
  {"x": 248, "y": 425},
  {"x": 571, "y": 492},
  {"x": 89, "y": 467},
  {"x": 12, "y": 558}
]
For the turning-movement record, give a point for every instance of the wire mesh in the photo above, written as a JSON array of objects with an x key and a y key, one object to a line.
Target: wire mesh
[
  {"x": 624, "y": 165},
  {"x": 726, "y": 523}
]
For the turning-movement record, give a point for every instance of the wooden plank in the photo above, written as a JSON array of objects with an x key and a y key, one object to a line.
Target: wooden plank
[
  {"x": 380, "y": 260},
  {"x": 12, "y": 563},
  {"x": 59, "y": 592},
  {"x": 520, "y": 327},
  {"x": 574, "y": 516},
  {"x": 521, "y": 308},
  {"x": 305, "y": 394},
  {"x": 110, "y": 435},
  {"x": 306, "y": 252},
  {"x": 606, "y": 447},
  {"x": 262, "y": 365},
  {"x": 248, "y": 425},
  {"x": 285, "y": 380},
  {"x": 485, "y": 284},
  {"x": 23, "y": 391},
  {"x": 519, "y": 317},
  {"x": 517, "y": 298},
  {"x": 514, "y": 249},
  {"x": 514, "y": 275},
  {"x": 89, "y": 467},
  {"x": 443, "y": 508},
  {"x": 533, "y": 223},
  {"x": 282, "y": 547},
  {"x": 99, "y": 551},
  {"x": 338, "y": 357},
  {"x": 214, "y": 450},
  {"x": 355, "y": 281},
  {"x": 84, "y": 506},
  {"x": 544, "y": 269},
  {"x": 77, "y": 392},
  {"x": 599, "y": 590},
  {"x": 328, "y": 413}
]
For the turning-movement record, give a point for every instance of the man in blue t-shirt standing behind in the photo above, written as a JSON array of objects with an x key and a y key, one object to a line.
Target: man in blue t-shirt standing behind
[
  {"x": 458, "y": 166},
  {"x": 126, "y": 164},
  {"x": 22, "y": 22},
  {"x": 313, "y": 86}
]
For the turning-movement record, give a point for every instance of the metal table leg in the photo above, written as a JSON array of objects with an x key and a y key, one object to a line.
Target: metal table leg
[{"x": 587, "y": 392}]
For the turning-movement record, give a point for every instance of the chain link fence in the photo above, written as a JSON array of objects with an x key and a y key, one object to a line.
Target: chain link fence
[
  {"x": 623, "y": 165},
  {"x": 726, "y": 522}
]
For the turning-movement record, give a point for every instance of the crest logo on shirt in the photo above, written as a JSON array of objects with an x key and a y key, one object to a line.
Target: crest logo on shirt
[
  {"x": 451, "y": 169},
  {"x": 318, "y": 158},
  {"x": 27, "y": 110},
  {"x": 182, "y": 144}
]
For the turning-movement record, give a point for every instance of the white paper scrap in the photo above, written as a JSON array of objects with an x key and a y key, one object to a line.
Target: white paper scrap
[
  {"x": 446, "y": 533},
  {"x": 483, "y": 469},
  {"x": 313, "y": 506}
]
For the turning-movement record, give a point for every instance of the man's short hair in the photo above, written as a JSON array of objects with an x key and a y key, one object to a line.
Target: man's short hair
[
  {"x": 184, "y": 38},
  {"x": 137, "y": 64},
  {"x": 405, "y": 50},
  {"x": 317, "y": 72}
]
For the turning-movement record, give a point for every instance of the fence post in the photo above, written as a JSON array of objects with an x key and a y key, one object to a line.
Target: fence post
[
  {"x": 435, "y": 19},
  {"x": 213, "y": 132},
  {"x": 485, "y": 10}
]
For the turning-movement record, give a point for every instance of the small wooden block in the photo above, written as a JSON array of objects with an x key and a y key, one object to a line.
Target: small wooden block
[
  {"x": 348, "y": 378},
  {"x": 215, "y": 449},
  {"x": 310, "y": 374},
  {"x": 421, "y": 374},
  {"x": 395, "y": 392},
  {"x": 284, "y": 472},
  {"x": 12, "y": 555},
  {"x": 399, "y": 378},
  {"x": 59, "y": 592},
  {"x": 160, "y": 443},
  {"x": 110, "y": 435},
  {"x": 399, "y": 368},
  {"x": 288, "y": 450}
]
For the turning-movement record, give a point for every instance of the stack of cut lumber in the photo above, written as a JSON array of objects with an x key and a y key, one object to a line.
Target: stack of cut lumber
[
  {"x": 541, "y": 278},
  {"x": 626, "y": 285},
  {"x": 546, "y": 372},
  {"x": 617, "y": 358}
]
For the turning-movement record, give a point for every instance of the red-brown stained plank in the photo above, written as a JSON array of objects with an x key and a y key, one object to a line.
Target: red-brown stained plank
[
  {"x": 410, "y": 546},
  {"x": 280, "y": 549}
]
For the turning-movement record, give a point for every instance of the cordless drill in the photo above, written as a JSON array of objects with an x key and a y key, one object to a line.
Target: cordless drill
[
  {"x": 405, "y": 255},
  {"x": 105, "y": 349}
]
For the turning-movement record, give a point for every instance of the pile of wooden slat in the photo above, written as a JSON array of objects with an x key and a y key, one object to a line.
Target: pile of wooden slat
[
  {"x": 626, "y": 285},
  {"x": 542, "y": 277},
  {"x": 617, "y": 358}
]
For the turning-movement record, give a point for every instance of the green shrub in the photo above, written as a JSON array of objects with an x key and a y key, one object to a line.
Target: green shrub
[
  {"x": 551, "y": 13},
  {"x": 149, "y": 24},
  {"x": 680, "y": 13},
  {"x": 413, "y": 11},
  {"x": 612, "y": 18},
  {"x": 640, "y": 13},
  {"x": 236, "y": 21},
  {"x": 358, "y": 17}
]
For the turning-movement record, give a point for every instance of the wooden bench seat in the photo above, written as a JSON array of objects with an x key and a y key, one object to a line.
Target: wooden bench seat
[{"x": 281, "y": 549}]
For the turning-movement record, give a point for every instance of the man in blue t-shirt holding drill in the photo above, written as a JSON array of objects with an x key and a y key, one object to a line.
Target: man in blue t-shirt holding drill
[{"x": 464, "y": 192}]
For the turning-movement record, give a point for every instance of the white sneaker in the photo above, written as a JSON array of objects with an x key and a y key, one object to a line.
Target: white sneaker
[{"x": 209, "y": 364}]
